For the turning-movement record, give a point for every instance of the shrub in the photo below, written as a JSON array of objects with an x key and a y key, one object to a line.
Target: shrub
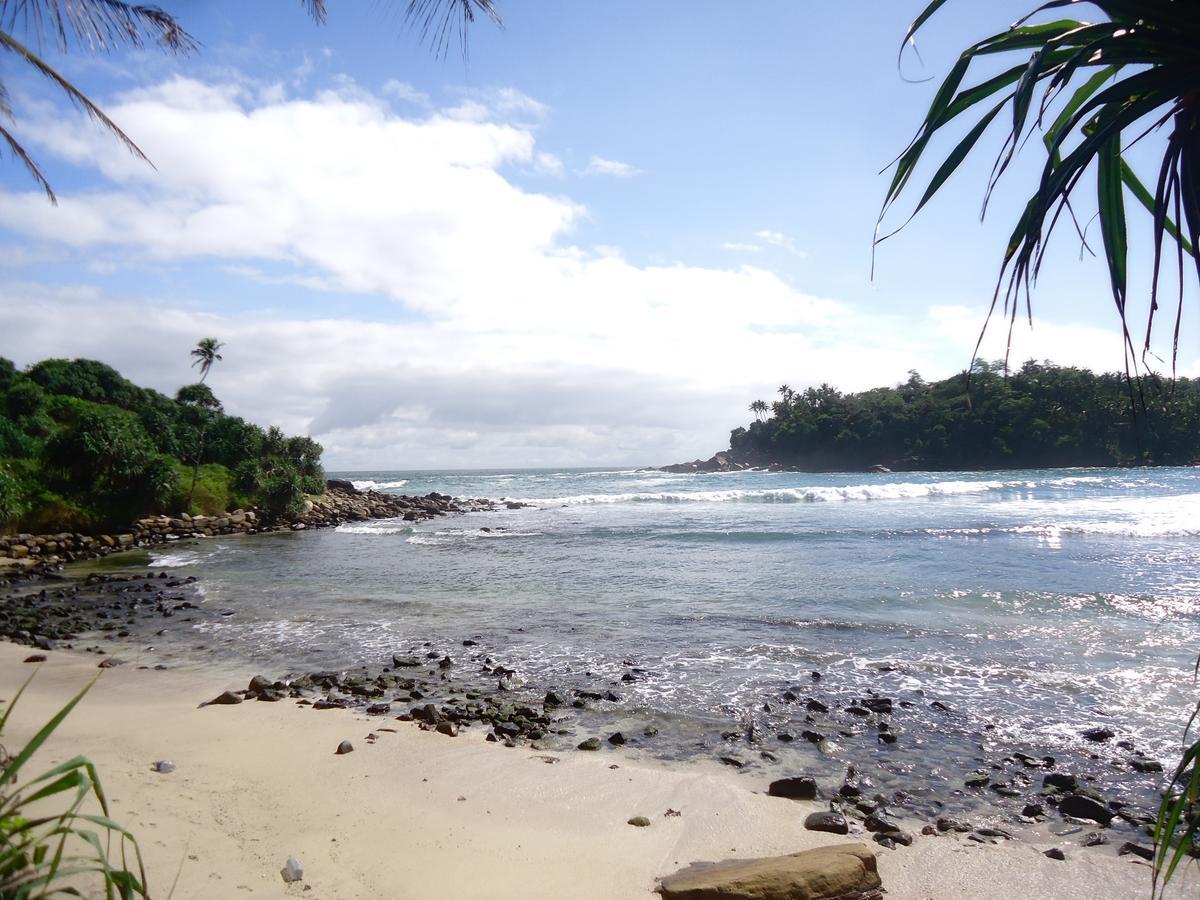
[{"x": 41, "y": 851}]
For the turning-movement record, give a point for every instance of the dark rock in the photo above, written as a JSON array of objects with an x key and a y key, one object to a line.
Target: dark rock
[
  {"x": 832, "y": 822},
  {"x": 447, "y": 728},
  {"x": 1136, "y": 849},
  {"x": 817, "y": 706},
  {"x": 1082, "y": 807},
  {"x": 111, "y": 662},
  {"x": 1054, "y": 853},
  {"x": 1095, "y": 839},
  {"x": 877, "y": 822},
  {"x": 343, "y": 748},
  {"x": 801, "y": 788},
  {"x": 226, "y": 699},
  {"x": 977, "y": 780},
  {"x": 884, "y": 840},
  {"x": 1139, "y": 763},
  {"x": 405, "y": 662},
  {"x": 878, "y": 705},
  {"x": 36, "y": 658},
  {"x": 592, "y": 743},
  {"x": 858, "y": 711},
  {"x": 260, "y": 683},
  {"x": 639, "y": 822},
  {"x": 616, "y": 739},
  {"x": 733, "y": 761},
  {"x": 945, "y": 823},
  {"x": 1099, "y": 735},
  {"x": 1060, "y": 780},
  {"x": 812, "y": 737},
  {"x": 379, "y": 709},
  {"x": 1033, "y": 809},
  {"x": 902, "y": 838},
  {"x": 553, "y": 698}
]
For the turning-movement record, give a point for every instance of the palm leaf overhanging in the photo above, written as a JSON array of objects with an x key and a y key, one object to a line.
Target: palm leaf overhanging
[{"x": 1094, "y": 90}]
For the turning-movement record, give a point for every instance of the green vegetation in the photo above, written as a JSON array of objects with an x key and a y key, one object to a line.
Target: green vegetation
[
  {"x": 50, "y": 846},
  {"x": 1040, "y": 416},
  {"x": 82, "y": 448}
]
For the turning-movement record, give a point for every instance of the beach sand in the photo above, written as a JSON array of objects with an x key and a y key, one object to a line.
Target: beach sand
[{"x": 418, "y": 814}]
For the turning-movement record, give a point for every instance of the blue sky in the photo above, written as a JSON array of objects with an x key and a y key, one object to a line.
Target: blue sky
[{"x": 594, "y": 241}]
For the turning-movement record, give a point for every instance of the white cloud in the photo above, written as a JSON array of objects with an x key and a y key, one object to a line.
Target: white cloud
[
  {"x": 598, "y": 165},
  {"x": 402, "y": 90},
  {"x": 548, "y": 164},
  {"x": 514, "y": 345},
  {"x": 780, "y": 240},
  {"x": 740, "y": 247}
]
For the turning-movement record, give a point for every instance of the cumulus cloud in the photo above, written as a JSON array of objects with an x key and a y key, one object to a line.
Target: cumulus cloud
[
  {"x": 598, "y": 165},
  {"x": 512, "y": 343}
]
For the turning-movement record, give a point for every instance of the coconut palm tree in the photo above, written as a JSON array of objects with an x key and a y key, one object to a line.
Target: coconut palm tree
[
  {"x": 206, "y": 354},
  {"x": 100, "y": 26},
  {"x": 1094, "y": 89},
  {"x": 759, "y": 408}
]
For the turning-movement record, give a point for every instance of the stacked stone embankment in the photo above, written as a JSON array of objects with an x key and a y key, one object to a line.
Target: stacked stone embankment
[{"x": 340, "y": 503}]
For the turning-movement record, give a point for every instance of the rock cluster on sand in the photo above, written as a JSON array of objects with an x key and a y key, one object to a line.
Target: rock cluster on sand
[
  {"x": 339, "y": 504},
  {"x": 837, "y": 872}
]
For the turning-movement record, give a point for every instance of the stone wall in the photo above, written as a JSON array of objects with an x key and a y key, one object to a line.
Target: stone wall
[{"x": 340, "y": 503}]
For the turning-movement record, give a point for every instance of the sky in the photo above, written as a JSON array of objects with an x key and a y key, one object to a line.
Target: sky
[{"x": 592, "y": 241}]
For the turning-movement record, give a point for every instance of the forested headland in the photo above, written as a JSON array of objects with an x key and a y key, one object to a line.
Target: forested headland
[
  {"x": 1040, "y": 415},
  {"x": 82, "y": 448}
]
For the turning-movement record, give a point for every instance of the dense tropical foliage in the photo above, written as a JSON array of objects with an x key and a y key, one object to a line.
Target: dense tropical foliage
[
  {"x": 1040, "y": 415},
  {"x": 82, "y": 448}
]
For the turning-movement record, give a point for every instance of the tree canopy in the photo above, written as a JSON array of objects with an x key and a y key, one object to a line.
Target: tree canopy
[
  {"x": 82, "y": 447},
  {"x": 1042, "y": 415}
]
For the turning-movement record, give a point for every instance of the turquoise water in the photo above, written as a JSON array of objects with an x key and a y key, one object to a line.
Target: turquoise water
[{"x": 1033, "y": 604}]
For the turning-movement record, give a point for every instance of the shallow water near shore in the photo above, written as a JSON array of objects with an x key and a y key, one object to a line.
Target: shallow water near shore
[{"x": 1029, "y": 605}]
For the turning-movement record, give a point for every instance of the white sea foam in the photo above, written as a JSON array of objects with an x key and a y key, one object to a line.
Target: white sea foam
[
  {"x": 461, "y": 535},
  {"x": 175, "y": 560},
  {"x": 369, "y": 485},
  {"x": 378, "y": 526},
  {"x": 892, "y": 491}
]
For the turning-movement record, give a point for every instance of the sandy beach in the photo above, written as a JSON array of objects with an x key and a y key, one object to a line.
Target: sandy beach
[{"x": 417, "y": 814}]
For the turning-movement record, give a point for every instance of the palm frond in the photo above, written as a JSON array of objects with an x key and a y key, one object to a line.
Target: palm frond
[
  {"x": 440, "y": 21},
  {"x": 95, "y": 25},
  {"x": 1135, "y": 73}
]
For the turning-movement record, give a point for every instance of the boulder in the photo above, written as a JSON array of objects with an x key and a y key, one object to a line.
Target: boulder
[
  {"x": 802, "y": 788},
  {"x": 1082, "y": 807},
  {"x": 842, "y": 871},
  {"x": 831, "y": 822}
]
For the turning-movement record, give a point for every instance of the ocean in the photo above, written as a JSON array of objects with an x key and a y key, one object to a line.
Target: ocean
[{"x": 1002, "y": 612}]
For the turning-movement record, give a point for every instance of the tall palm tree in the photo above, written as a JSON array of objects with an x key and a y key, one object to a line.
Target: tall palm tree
[
  {"x": 1093, "y": 89},
  {"x": 1103, "y": 86},
  {"x": 206, "y": 354},
  {"x": 100, "y": 26},
  {"x": 759, "y": 408}
]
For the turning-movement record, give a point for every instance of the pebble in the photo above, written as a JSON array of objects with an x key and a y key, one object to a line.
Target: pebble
[
  {"x": 292, "y": 870},
  {"x": 592, "y": 743},
  {"x": 36, "y": 658},
  {"x": 639, "y": 822},
  {"x": 1054, "y": 853},
  {"x": 343, "y": 748},
  {"x": 165, "y": 766}
]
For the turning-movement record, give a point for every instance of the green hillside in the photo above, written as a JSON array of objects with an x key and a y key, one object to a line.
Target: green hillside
[
  {"x": 82, "y": 448},
  {"x": 1041, "y": 415}
]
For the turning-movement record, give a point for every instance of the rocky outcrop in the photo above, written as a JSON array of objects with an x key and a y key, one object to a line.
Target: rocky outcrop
[
  {"x": 719, "y": 462},
  {"x": 340, "y": 503},
  {"x": 837, "y": 872}
]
